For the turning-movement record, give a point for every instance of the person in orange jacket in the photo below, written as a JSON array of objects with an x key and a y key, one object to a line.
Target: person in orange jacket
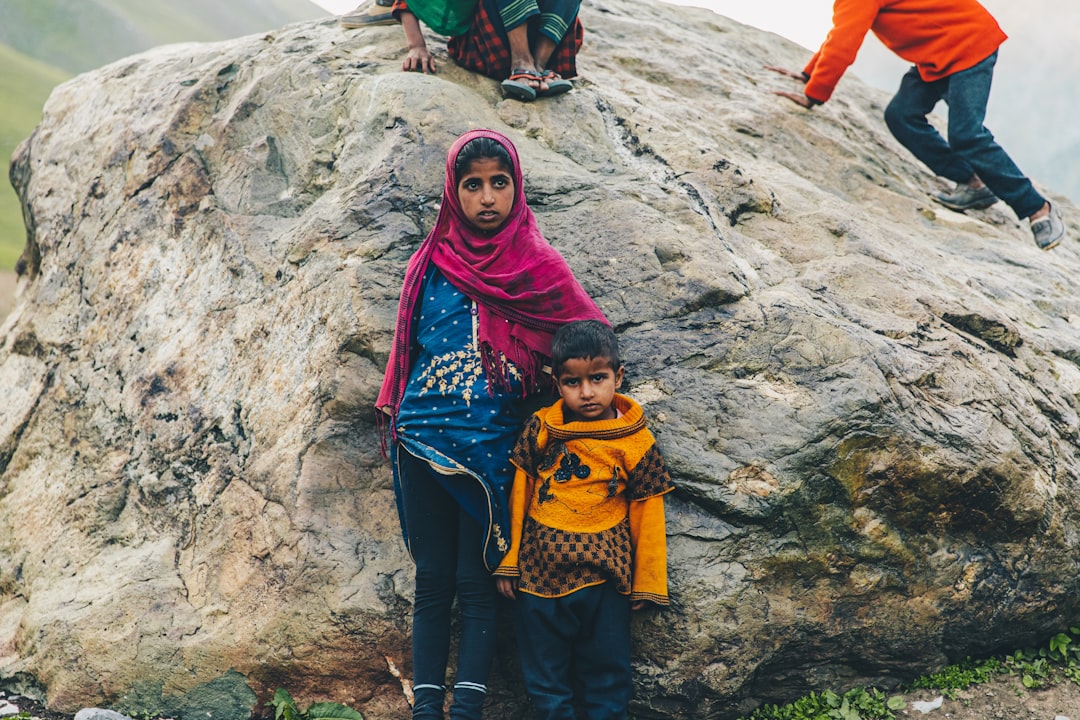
[{"x": 953, "y": 45}]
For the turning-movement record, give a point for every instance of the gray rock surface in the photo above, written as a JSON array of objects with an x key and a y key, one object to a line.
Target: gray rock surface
[{"x": 869, "y": 402}]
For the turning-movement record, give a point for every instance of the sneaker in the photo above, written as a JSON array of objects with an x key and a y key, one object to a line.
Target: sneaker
[
  {"x": 964, "y": 198},
  {"x": 1049, "y": 231},
  {"x": 363, "y": 17}
]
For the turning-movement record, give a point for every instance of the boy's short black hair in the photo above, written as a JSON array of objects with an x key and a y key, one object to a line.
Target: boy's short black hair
[{"x": 584, "y": 339}]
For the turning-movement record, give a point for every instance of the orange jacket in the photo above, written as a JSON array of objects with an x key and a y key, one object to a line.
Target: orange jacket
[{"x": 940, "y": 37}]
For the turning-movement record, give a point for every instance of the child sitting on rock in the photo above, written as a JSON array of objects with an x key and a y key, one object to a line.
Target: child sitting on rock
[{"x": 587, "y": 535}]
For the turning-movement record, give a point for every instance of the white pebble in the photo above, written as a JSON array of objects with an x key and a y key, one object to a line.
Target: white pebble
[
  {"x": 925, "y": 707},
  {"x": 99, "y": 714}
]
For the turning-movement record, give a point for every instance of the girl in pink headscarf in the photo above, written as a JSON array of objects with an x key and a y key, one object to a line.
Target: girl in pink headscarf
[{"x": 481, "y": 300}]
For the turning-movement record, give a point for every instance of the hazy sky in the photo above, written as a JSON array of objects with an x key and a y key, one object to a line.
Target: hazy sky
[{"x": 804, "y": 21}]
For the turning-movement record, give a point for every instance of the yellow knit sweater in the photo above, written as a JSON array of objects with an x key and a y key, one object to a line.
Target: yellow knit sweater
[{"x": 587, "y": 506}]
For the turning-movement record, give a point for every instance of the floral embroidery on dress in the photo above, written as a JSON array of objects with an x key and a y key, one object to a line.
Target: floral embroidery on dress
[
  {"x": 455, "y": 372},
  {"x": 500, "y": 541},
  {"x": 458, "y": 372}
]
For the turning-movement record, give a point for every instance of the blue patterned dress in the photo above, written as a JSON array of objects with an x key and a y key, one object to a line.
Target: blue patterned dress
[{"x": 451, "y": 419}]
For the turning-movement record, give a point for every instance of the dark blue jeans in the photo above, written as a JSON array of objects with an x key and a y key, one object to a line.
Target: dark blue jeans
[
  {"x": 971, "y": 148},
  {"x": 580, "y": 642},
  {"x": 447, "y": 547}
]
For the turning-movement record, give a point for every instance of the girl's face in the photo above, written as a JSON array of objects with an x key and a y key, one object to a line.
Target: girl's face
[{"x": 486, "y": 193}]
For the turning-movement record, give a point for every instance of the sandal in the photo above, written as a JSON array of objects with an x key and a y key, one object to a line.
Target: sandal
[
  {"x": 556, "y": 84},
  {"x": 513, "y": 87}
]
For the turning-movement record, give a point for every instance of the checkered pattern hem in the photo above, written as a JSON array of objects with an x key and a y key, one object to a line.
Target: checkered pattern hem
[
  {"x": 649, "y": 477},
  {"x": 557, "y": 562},
  {"x": 526, "y": 452}
]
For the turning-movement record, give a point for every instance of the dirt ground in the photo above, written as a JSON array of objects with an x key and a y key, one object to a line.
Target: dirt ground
[
  {"x": 1005, "y": 698},
  {"x": 1002, "y": 699}
]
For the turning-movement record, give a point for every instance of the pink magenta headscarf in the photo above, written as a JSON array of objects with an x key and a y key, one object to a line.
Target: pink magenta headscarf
[{"x": 522, "y": 286}]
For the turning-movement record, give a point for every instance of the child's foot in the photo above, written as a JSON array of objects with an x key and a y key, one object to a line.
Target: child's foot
[
  {"x": 1049, "y": 230},
  {"x": 524, "y": 63},
  {"x": 964, "y": 197},
  {"x": 556, "y": 85},
  {"x": 365, "y": 15},
  {"x": 523, "y": 84}
]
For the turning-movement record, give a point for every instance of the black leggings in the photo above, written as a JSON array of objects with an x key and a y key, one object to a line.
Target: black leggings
[{"x": 447, "y": 546}]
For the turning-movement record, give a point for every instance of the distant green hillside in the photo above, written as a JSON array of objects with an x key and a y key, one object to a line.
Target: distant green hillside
[
  {"x": 86, "y": 34},
  {"x": 25, "y": 83},
  {"x": 43, "y": 42}
]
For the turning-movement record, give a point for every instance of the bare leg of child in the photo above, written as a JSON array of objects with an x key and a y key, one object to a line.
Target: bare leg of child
[
  {"x": 521, "y": 56},
  {"x": 545, "y": 47}
]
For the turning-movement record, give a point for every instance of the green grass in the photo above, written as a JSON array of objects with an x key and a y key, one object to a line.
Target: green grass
[
  {"x": 12, "y": 231},
  {"x": 25, "y": 84},
  {"x": 167, "y": 22},
  {"x": 80, "y": 36},
  {"x": 77, "y": 36},
  {"x": 1056, "y": 661}
]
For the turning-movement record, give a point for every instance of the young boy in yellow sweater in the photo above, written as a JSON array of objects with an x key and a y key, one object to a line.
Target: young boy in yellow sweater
[{"x": 587, "y": 536}]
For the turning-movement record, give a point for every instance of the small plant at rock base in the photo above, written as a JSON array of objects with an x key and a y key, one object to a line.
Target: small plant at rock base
[
  {"x": 960, "y": 676},
  {"x": 1059, "y": 646},
  {"x": 285, "y": 709},
  {"x": 1033, "y": 673},
  {"x": 856, "y": 704},
  {"x": 1065, "y": 650},
  {"x": 1060, "y": 657}
]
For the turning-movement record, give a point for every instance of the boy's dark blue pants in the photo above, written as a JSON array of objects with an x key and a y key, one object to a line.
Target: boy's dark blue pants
[
  {"x": 576, "y": 645},
  {"x": 971, "y": 148}
]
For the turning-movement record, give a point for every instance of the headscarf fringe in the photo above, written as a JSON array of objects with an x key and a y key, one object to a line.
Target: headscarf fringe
[{"x": 500, "y": 371}]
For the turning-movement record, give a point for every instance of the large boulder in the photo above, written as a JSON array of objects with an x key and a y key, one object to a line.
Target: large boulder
[{"x": 868, "y": 402}]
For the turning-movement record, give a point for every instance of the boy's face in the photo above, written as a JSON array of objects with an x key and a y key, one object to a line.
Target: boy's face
[{"x": 587, "y": 387}]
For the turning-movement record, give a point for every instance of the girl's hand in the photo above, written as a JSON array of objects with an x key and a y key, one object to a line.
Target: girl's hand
[
  {"x": 419, "y": 60},
  {"x": 506, "y": 586},
  {"x": 637, "y": 605}
]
